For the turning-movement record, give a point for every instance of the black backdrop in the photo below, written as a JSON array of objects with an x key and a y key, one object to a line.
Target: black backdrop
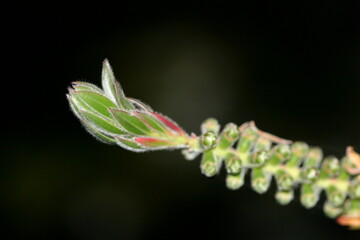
[{"x": 293, "y": 67}]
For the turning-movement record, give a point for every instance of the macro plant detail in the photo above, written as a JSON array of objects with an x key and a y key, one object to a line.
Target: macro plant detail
[{"x": 113, "y": 118}]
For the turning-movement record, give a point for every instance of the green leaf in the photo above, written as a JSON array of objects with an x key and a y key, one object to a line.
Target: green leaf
[
  {"x": 140, "y": 105},
  {"x": 151, "y": 121},
  {"x": 74, "y": 106},
  {"x": 87, "y": 125},
  {"x": 78, "y": 86},
  {"x": 112, "y": 88},
  {"x": 169, "y": 123},
  {"x": 103, "y": 125},
  {"x": 98, "y": 135},
  {"x": 130, "y": 123},
  {"x": 155, "y": 143},
  {"x": 128, "y": 144},
  {"x": 92, "y": 101}
]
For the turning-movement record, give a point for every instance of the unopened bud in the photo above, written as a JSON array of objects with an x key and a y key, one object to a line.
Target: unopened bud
[
  {"x": 284, "y": 197},
  {"x": 209, "y": 140},
  {"x": 335, "y": 197},
  {"x": 233, "y": 164},
  {"x": 309, "y": 174},
  {"x": 332, "y": 211},
  {"x": 299, "y": 150},
  {"x": 330, "y": 167},
  {"x": 209, "y": 164},
  {"x": 355, "y": 189},
  {"x": 228, "y": 136},
  {"x": 210, "y": 124},
  {"x": 260, "y": 182},
  {"x": 234, "y": 182},
  {"x": 247, "y": 140},
  {"x": 314, "y": 157},
  {"x": 284, "y": 181},
  {"x": 309, "y": 195},
  {"x": 281, "y": 154},
  {"x": 283, "y": 151},
  {"x": 263, "y": 143},
  {"x": 259, "y": 158}
]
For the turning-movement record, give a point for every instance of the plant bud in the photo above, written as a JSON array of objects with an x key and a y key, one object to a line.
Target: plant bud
[
  {"x": 263, "y": 144},
  {"x": 344, "y": 175},
  {"x": 234, "y": 182},
  {"x": 209, "y": 164},
  {"x": 281, "y": 153},
  {"x": 228, "y": 136},
  {"x": 299, "y": 151},
  {"x": 354, "y": 190},
  {"x": 330, "y": 167},
  {"x": 309, "y": 174},
  {"x": 284, "y": 197},
  {"x": 352, "y": 205},
  {"x": 247, "y": 140},
  {"x": 335, "y": 197},
  {"x": 332, "y": 211},
  {"x": 313, "y": 157},
  {"x": 259, "y": 158},
  {"x": 284, "y": 181},
  {"x": 260, "y": 181},
  {"x": 309, "y": 195},
  {"x": 211, "y": 125},
  {"x": 209, "y": 140},
  {"x": 233, "y": 164}
]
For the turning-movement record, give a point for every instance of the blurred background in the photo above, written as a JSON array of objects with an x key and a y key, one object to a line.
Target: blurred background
[{"x": 294, "y": 68}]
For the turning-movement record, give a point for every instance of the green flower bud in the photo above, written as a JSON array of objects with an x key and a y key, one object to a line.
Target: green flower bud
[
  {"x": 314, "y": 157},
  {"x": 209, "y": 164},
  {"x": 280, "y": 154},
  {"x": 352, "y": 205},
  {"x": 210, "y": 125},
  {"x": 228, "y": 136},
  {"x": 283, "y": 151},
  {"x": 284, "y": 181},
  {"x": 355, "y": 189},
  {"x": 234, "y": 182},
  {"x": 233, "y": 164},
  {"x": 330, "y": 167},
  {"x": 263, "y": 144},
  {"x": 231, "y": 131},
  {"x": 332, "y": 211},
  {"x": 247, "y": 140},
  {"x": 259, "y": 158},
  {"x": 309, "y": 195},
  {"x": 309, "y": 174},
  {"x": 335, "y": 197},
  {"x": 260, "y": 181},
  {"x": 284, "y": 197},
  {"x": 299, "y": 151},
  {"x": 209, "y": 140}
]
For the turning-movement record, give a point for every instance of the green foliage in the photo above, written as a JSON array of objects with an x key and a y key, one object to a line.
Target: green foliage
[{"x": 113, "y": 118}]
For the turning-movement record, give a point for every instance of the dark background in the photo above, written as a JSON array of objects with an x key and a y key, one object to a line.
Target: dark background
[{"x": 293, "y": 67}]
